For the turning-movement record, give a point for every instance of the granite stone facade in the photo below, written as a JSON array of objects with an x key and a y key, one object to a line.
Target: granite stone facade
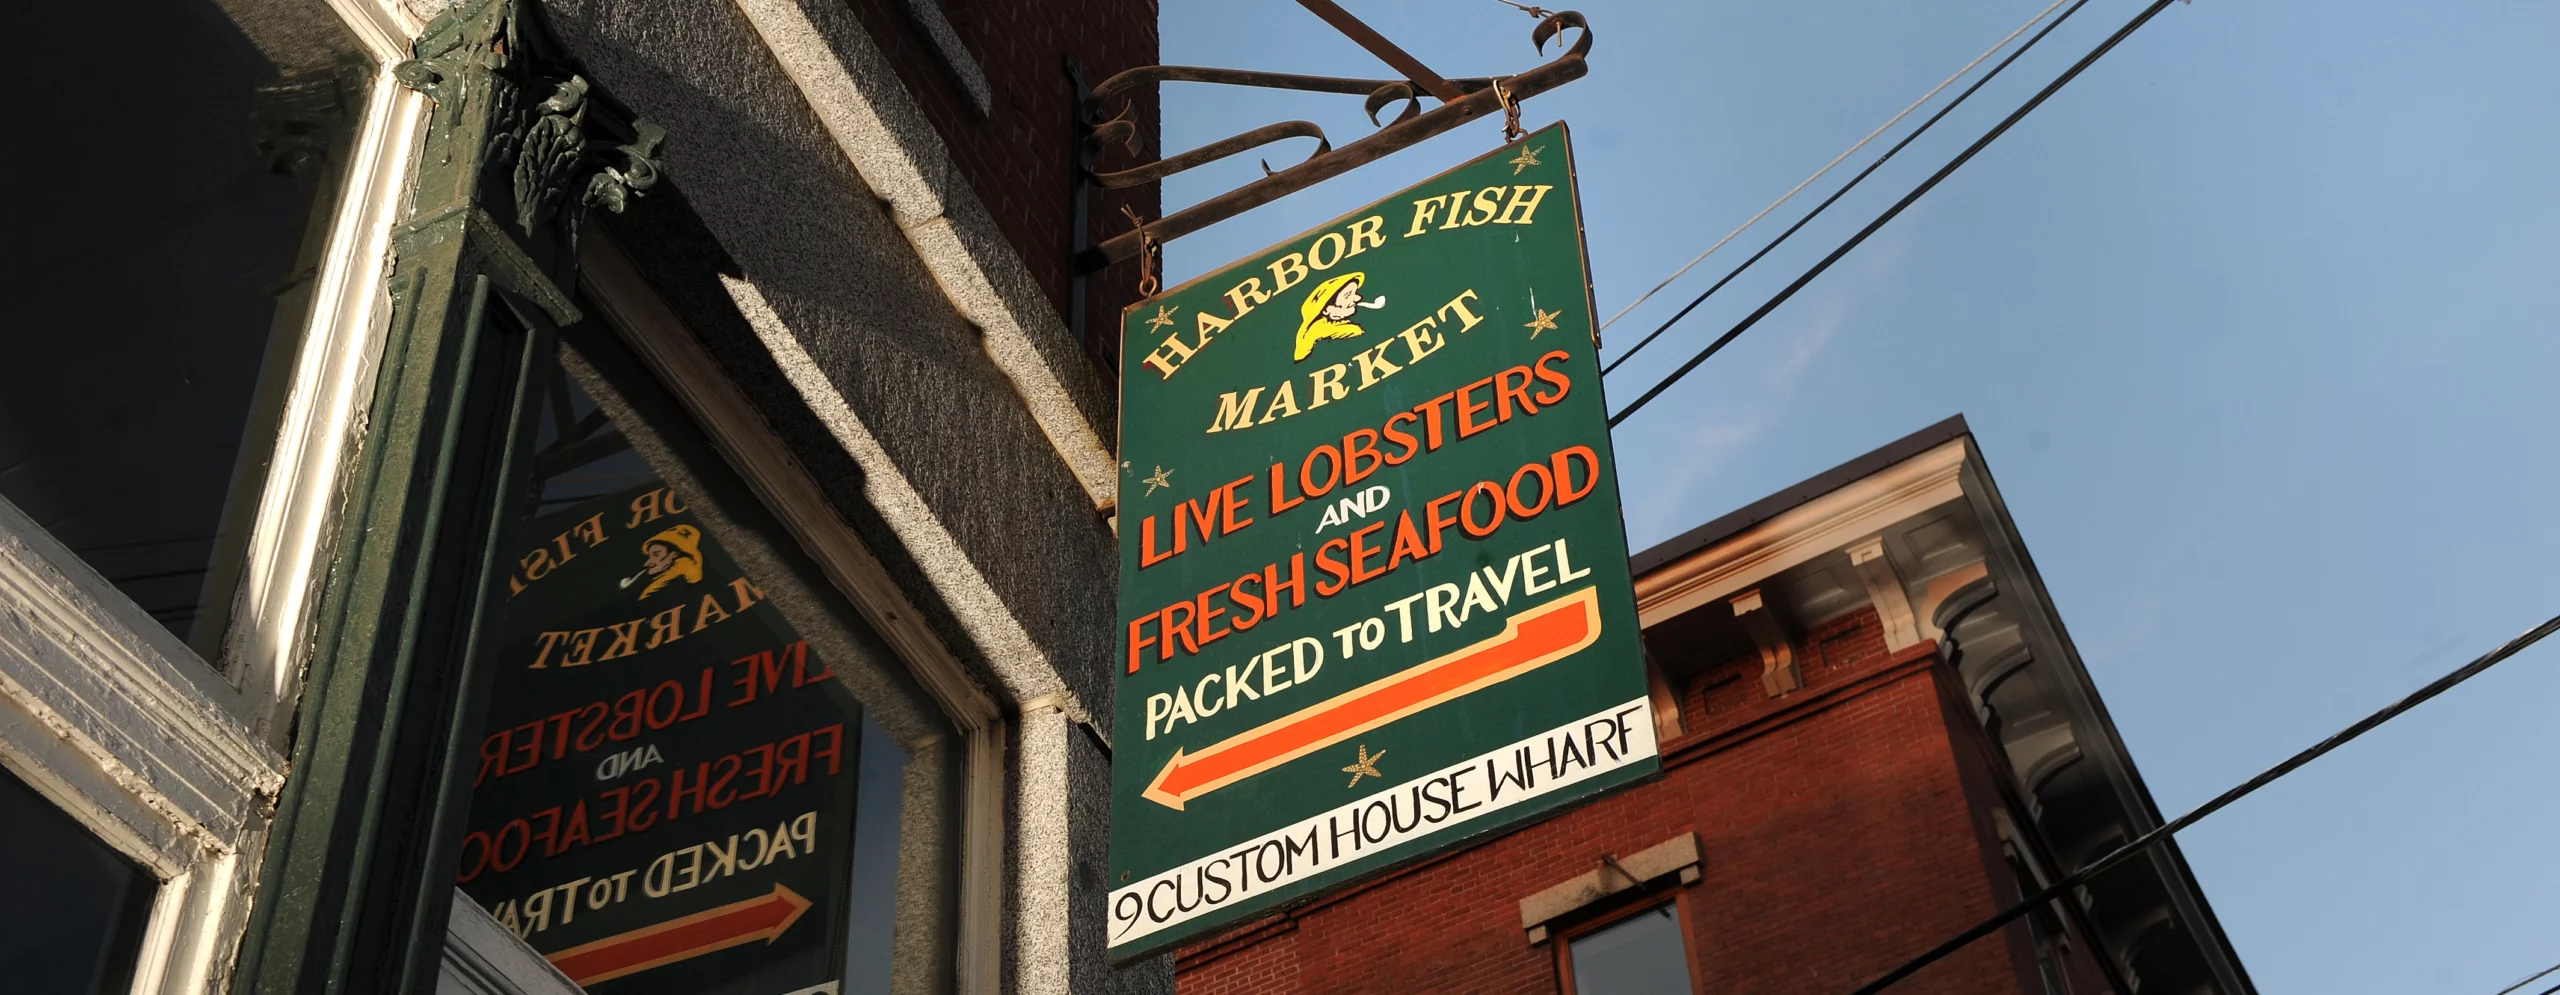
[{"x": 835, "y": 178}]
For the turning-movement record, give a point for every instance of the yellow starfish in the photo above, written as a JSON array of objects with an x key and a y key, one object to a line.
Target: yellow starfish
[
  {"x": 1164, "y": 316},
  {"x": 1162, "y": 478},
  {"x": 1528, "y": 157},
  {"x": 1544, "y": 321},
  {"x": 1366, "y": 767}
]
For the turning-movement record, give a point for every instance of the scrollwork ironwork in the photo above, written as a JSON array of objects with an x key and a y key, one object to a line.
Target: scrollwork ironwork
[{"x": 1463, "y": 100}]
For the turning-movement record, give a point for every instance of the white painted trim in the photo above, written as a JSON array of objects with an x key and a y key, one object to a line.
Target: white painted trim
[
  {"x": 124, "y": 695},
  {"x": 739, "y": 433},
  {"x": 386, "y": 27},
  {"x": 857, "y": 97},
  {"x": 324, "y": 415},
  {"x": 197, "y": 922},
  {"x": 484, "y": 958},
  {"x": 110, "y": 716},
  {"x": 1802, "y": 533}
]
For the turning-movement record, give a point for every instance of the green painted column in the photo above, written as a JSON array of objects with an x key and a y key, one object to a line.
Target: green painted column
[{"x": 357, "y": 881}]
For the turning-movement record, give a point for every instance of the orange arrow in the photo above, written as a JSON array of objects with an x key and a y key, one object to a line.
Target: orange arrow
[
  {"x": 719, "y": 928},
  {"x": 1530, "y": 639}
]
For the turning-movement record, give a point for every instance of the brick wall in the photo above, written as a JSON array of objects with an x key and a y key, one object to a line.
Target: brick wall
[
  {"x": 1021, "y": 159},
  {"x": 1837, "y": 833},
  {"x": 1726, "y": 694}
]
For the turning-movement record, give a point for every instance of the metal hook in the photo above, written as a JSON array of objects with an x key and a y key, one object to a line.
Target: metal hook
[
  {"x": 1150, "y": 255},
  {"x": 1511, "y": 130}
]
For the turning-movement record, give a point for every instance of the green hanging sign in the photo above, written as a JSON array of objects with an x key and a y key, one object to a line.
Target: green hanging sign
[{"x": 1374, "y": 596}]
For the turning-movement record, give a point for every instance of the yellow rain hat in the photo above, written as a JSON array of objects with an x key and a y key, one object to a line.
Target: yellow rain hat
[{"x": 1313, "y": 326}]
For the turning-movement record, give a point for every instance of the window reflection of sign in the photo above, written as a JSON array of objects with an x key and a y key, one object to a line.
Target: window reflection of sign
[{"x": 665, "y": 794}]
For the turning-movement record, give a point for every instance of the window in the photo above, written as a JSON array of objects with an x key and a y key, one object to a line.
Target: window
[
  {"x": 73, "y": 913},
  {"x": 689, "y": 725},
  {"x": 161, "y": 257},
  {"x": 1643, "y": 953},
  {"x": 190, "y": 303}
]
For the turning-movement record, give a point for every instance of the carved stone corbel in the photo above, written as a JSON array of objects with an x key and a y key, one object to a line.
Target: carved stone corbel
[
  {"x": 1666, "y": 700},
  {"x": 1884, "y": 588},
  {"x": 1778, "y": 673}
]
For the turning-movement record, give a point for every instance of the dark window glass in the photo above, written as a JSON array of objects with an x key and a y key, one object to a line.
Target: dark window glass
[
  {"x": 71, "y": 910},
  {"x": 1640, "y": 955},
  {"x": 172, "y": 171},
  {"x": 872, "y": 911},
  {"x": 679, "y": 789}
]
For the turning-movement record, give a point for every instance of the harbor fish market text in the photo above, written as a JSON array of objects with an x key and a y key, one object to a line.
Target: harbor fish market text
[{"x": 1372, "y": 565}]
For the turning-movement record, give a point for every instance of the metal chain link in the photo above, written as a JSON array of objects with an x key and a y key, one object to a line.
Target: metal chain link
[
  {"x": 1150, "y": 256},
  {"x": 1511, "y": 130}
]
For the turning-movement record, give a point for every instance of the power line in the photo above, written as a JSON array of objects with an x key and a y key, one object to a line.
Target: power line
[
  {"x": 1899, "y": 206},
  {"x": 1836, "y": 194},
  {"x": 2531, "y": 978},
  {"x": 1826, "y": 167},
  {"x": 2121, "y": 854}
]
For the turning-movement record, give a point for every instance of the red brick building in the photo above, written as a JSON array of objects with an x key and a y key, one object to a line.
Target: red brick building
[{"x": 1875, "y": 733}]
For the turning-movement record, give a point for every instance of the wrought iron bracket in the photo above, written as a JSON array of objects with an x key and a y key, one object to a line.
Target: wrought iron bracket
[{"x": 1462, "y": 100}]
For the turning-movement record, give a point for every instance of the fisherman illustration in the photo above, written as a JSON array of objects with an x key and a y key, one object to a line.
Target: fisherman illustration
[
  {"x": 1328, "y": 311},
  {"x": 674, "y": 553}
]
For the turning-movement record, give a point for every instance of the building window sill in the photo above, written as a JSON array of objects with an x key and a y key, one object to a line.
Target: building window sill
[{"x": 1678, "y": 855}]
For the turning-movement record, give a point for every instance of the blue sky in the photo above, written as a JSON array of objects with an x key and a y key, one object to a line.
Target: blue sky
[{"x": 2254, "y": 324}]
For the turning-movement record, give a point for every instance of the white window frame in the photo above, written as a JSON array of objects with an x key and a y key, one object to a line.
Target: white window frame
[{"x": 173, "y": 760}]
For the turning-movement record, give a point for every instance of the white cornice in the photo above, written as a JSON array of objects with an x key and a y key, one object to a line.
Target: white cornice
[{"x": 1798, "y": 535}]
